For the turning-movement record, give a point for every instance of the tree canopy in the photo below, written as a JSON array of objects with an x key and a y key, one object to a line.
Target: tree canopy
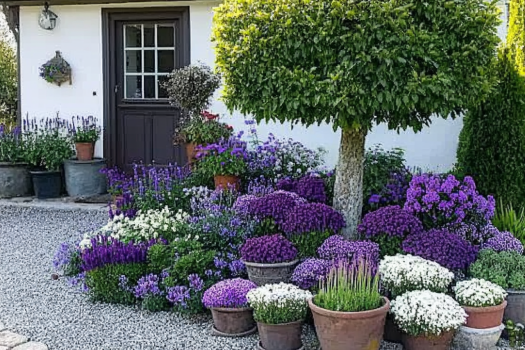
[{"x": 8, "y": 77}]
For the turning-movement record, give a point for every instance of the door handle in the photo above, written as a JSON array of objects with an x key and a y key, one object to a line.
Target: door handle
[{"x": 116, "y": 88}]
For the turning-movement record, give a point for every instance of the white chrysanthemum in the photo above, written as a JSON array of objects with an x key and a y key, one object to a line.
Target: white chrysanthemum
[
  {"x": 402, "y": 273},
  {"x": 423, "y": 312},
  {"x": 478, "y": 293}
]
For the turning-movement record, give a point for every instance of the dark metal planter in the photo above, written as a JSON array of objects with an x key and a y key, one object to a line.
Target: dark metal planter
[
  {"x": 285, "y": 336},
  {"x": 83, "y": 178},
  {"x": 262, "y": 274},
  {"x": 47, "y": 184},
  {"x": 15, "y": 180}
]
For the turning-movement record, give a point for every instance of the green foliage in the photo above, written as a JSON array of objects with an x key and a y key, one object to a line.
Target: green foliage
[
  {"x": 492, "y": 143},
  {"x": 516, "y": 334},
  {"x": 388, "y": 245},
  {"x": 308, "y": 243},
  {"x": 160, "y": 257},
  {"x": 516, "y": 34},
  {"x": 204, "y": 130},
  {"x": 155, "y": 303},
  {"x": 506, "y": 269},
  {"x": 225, "y": 162},
  {"x": 508, "y": 219},
  {"x": 190, "y": 258},
  {"x": 349, "y": 289},
  {"x": 103, "y": 282},
  {"x": 8, "y": 80},
  {"x": 354, "y": 63}
]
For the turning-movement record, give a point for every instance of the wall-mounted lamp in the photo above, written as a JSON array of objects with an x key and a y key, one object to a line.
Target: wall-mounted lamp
[{"x": 48, "y": 19}]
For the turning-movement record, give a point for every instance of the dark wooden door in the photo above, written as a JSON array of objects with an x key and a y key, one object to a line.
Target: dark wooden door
[{"x": 144, "y": 46}]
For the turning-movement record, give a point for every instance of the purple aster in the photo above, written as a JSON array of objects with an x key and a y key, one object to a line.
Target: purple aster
[
  {"x": 147, "y": 285},
  {"x": 178, "y": 295},
  {"x": 312, "y": 217},
  {"x": 307, "y": 274},
  {"x": 230, "y": 293},
  {"x": 269, "y": 249},
  {"x": 389, "y": 221},
  {"x": 504, "y": 242},
  {"x": 196, "y": 283}
]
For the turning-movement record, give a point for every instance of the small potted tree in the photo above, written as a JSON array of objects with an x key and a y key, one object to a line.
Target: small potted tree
[
  {"x": 49, "y": 145},
  {"x": 190, "y": 89},
  {"x": 15, "y": 180},
  {"x": 269, "y": 259},
  {"x": 232, "y": 317},
  {"x": 225, "y": 161},
  {"x": 85, "y": 133},
  {"x": 428, "y": 320},
  {"x": 279, "y": 310},
  {"x": 83, "y": 174},
  {"x": 349, "y": 312}
]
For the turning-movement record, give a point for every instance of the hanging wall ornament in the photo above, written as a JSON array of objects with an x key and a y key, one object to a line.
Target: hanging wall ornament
[
  {"x": 56, "y": 70},
  {"x": 48, "y": 19}
]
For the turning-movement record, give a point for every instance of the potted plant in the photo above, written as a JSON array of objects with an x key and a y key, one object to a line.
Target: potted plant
[
  {"x": 201, "y": 131},
  {"x": 349, "y": 312},
  {"x": 15, "y": 180},
  {"x": 191, "y": 89},
  {"x": 232, "y": 317},
  {"x": 406, "y": 273},
  {"x": 48, "y": 147},
  {"x": 507, "y": 270},
  {"x": 269, "y": 259},
  {"x": 279, "y": 310},
  {"x": 428, "y": 319},
  {"x": 483, "y": 301},
  {"x": 85, "y": 133},
  {"x": 225, "y": 161}
]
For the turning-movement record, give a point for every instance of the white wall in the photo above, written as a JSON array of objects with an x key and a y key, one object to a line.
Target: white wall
[{"x": 79, "y": 37}]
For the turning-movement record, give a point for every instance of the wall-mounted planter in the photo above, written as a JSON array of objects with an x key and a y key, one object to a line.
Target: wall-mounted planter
[
  {"x": 15, "y": 180},
  {"x": 57, "y": 70},
  {"x": 83, "y": 178}
]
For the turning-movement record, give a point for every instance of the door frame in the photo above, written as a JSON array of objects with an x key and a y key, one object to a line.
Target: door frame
[{"x": 110, "y": 16}]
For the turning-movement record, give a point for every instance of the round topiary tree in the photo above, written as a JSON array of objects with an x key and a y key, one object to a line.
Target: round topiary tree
[{"x": 353, "y": 64}]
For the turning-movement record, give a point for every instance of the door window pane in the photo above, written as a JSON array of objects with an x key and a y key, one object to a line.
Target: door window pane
[
  {"x": 149, "y": 54},
  {"x": 133, "y": 61},
  {"x": 134, "y": 86},
  {"x": 133, "y": 35},
  {"x": 165, "y": 36},
  {"x": 162, "y": 91}
]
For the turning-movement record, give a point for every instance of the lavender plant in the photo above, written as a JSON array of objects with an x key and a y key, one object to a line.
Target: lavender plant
[
  {"x": 12, "y": 145},
  {"x": 84, "y": 130}
]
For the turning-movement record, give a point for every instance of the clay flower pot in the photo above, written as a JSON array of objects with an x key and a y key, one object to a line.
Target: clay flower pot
[
  {"x": 232, "y": 322},
  {"x": 191, "y": 152},
  {"x": 286, "y": 336},
  {"x": 85, "y": 150},
  {"x": 262, "y": 274},
  {"x": 440, "y": 342},
  {"x": 227, "y": 181},
  {"x": 350, "y": 330},
  {"x": 485, "y": 317}
]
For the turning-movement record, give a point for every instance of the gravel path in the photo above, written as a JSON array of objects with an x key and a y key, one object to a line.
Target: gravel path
[{"x": 49, "y": 311}]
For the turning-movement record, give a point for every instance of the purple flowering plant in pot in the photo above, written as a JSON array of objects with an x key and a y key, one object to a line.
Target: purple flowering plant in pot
[
  {"x": 269, "y": 259},
  {"x": 440, "y": 201},
  {"x": 388, "y": 227},
  {"x": 338, "y": 249},
  {"x": 229, "y": 307}
]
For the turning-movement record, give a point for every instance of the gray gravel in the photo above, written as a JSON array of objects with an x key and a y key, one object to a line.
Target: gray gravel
[{"x": 52, "y": 312}]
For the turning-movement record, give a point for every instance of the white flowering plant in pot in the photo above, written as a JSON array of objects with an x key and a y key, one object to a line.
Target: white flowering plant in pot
[
  {"x": 404, "y": 273},
  {"x": 479, "y": 293},
  {"x": 279, "y": 303},
  {"x": 426, "y": 313},
  {"x": 151, "y": 224}
]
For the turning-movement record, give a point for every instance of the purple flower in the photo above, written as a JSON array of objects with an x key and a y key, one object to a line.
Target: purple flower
[
  {"x": 307, "y": 274},
  {"x": 312, "y": 217},
  {"x": 269, "y": 249},
  {"x": 178, "y": 295},
  {"x": 473, "y": 234},
  {"x": 147, "y": 285},
  {"x": 63, "y": 255},
  {"x": 337, "y": 248},
  {"x": 273, "y": 206},
  {"x": 230, "y": 293},
  {"x": 237, "y": 268},
  {"x": 310, "y": 187},
  {"x": 439, "y": 245},
  {"x": 504, "y": 242},
  {"x": 389, "y": 221},
  {"x": 196, "y": 283}
]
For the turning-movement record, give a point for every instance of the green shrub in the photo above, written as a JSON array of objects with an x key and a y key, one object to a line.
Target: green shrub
[
  {"x": 103, "y": 282},
  {"x": 307, "y": 243},
  {"x": 506, "y": 269},
  {"x": 160, "y": 257},
  {"x": 197, "y": 261},
  {"x": 492, "y": 143},
  {"x": 8, "y": 80},
  {"x": 508, "y": 219},
  {"x": 155, "y": 303}
]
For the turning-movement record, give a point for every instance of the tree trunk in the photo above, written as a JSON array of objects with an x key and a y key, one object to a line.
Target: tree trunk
[{"x": 348, "y": 191}]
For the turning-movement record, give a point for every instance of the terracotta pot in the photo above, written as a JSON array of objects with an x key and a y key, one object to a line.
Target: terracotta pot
[
  {"x": 262, "y": 274},
  {"x": 485, "y": 317},
  {"x": 85, "y": 150},
  {"x": 350, "y": 330},
  {"x": 440, "y": 342},
  {"x": 191, "y": 152},
  {"x": 226, "y": 181},
  {"x": 286, "y": 336},
  {"x": 232, "y": 321},
  {"x": 392, "y": 332}
]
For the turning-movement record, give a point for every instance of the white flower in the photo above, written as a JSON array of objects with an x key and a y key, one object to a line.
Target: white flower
[
  {"x": 478, "y": 293},
  {"x": 423, "y": 312},
  {"x": 402, "y": 273}
]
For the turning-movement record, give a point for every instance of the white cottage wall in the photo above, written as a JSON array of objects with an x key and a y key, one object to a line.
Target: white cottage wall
[{"x": 79, "y": 37}]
